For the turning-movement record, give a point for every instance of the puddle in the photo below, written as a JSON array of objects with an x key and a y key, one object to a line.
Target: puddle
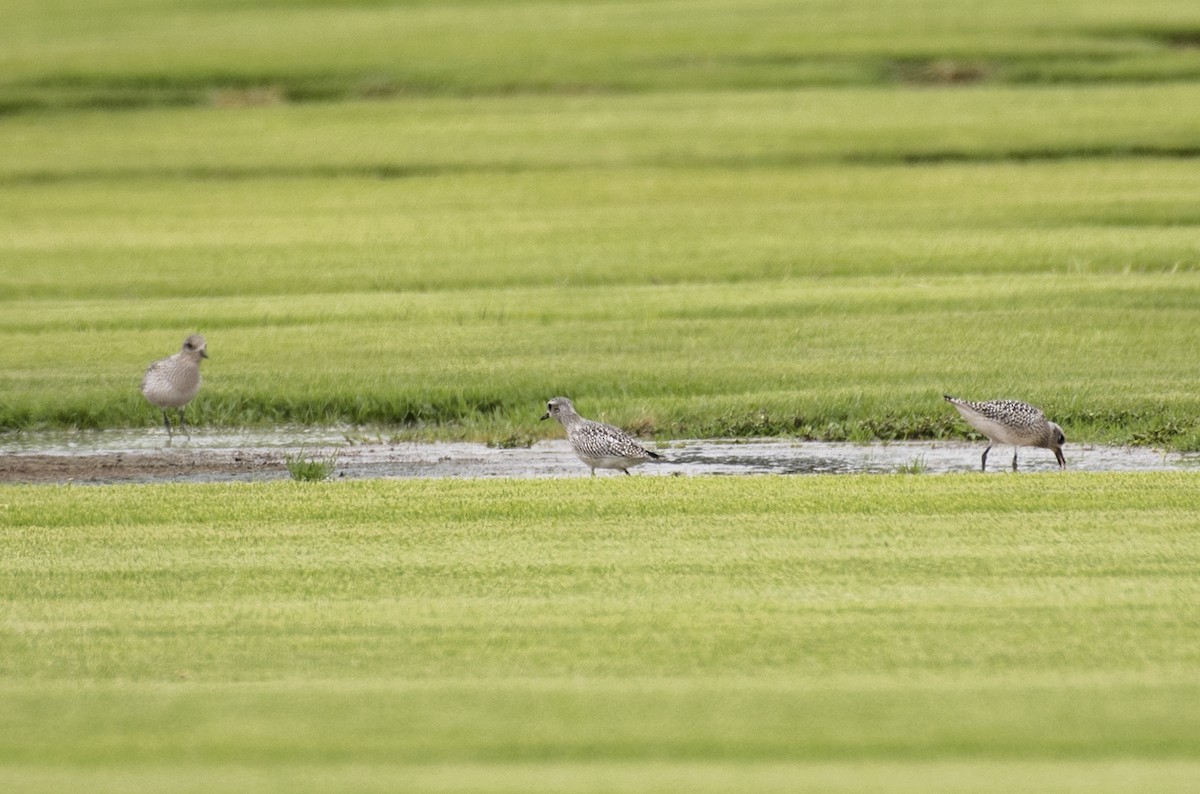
[{"x": 217, "y": 456}]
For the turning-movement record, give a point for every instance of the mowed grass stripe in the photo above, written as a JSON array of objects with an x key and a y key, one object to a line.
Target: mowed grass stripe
[
  {"x": 417, "y": 138},
  {"x": 430, "y": 501},
  {"x": 572, "y": 721},
  {"x": 700, "y": 777},
  {"x": 132, "y": 55},
  {"x": 610, "y": 228}
]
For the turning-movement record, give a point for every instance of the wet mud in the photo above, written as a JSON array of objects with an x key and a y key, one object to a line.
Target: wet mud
[{"x": 143, "y": 456}]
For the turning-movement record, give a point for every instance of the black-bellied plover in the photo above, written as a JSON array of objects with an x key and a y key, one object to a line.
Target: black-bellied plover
[
  {"x": 599, "y": 445},
  {"x": 1012, "y": 422},
  {"x": 173, "y": 381}
]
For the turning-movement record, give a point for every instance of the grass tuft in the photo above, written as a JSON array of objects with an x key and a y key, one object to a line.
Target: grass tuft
[
  {"x": 309, "y": 468},
  {"x": 915, "y": 466},
  {"x": 518, "y": 440}
]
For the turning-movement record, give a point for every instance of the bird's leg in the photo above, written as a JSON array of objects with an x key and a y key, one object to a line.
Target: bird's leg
[
  {"x": 167, "y": 423},
  {"x": 183, "y": 424},
  {"x": 1015, "y": 458},
  {"x": 983, "y": 467},
  {"x": 593, "y": 471},
  {"x": 626, "y": 472}
]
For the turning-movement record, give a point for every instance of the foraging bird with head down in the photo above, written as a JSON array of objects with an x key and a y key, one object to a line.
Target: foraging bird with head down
[
  {"x": 599, "y": 445},
  {"x": 174, "y": 381},
  {"x": 1012, "y": 422}
]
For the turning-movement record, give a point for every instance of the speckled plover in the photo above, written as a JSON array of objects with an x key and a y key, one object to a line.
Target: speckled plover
[
  {"x": 1012, "y": 422},
  {"x": 173, "y": 382},
  {"x": 599, "y": 445}
]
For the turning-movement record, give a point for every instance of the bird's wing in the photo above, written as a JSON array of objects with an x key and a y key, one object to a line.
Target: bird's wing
[
  {"x": 154, "y": 367},
  {"x": 625, "y": 441}
]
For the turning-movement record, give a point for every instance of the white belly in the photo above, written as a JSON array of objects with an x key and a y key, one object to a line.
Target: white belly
[{"x": 609, "y": 462}]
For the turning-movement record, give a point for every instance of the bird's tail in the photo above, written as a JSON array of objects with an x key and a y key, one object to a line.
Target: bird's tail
[{"x": 654, "y": 455}]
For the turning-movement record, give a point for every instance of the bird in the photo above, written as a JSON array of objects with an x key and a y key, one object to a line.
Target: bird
[
  {"x": 173, "y": 382},
  {"x": 1012, "y": 422},
  {"x": 599, "y": 445}
]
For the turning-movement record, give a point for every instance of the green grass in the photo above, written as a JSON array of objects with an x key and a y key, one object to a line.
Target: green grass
[
  {"x": 130, "y": 53},
  {"x": 835, "y": 358},
  {"x": 614, "y": 635},
  {"x": 831, "y": 299},
  {"x": 308, "y": 467},
  {"x": 696, "y": 219},
  {"x": 467, "y": 140},
  {"x": 729, "y": 219}
]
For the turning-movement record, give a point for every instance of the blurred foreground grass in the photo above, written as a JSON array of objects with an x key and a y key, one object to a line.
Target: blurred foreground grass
[{"x": 487, "y": 636}]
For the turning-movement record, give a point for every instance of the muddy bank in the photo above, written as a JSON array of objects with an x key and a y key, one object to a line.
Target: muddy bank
[
  {"x": 145, "y": 456},
  {"x": 115, "y": 467}
]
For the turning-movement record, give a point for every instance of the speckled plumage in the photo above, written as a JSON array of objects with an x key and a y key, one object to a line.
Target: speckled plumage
[
  {"x": 174, "y": 381},
  {"x": 1012, "y": 422},
  {"x": 599, "y": 445}
]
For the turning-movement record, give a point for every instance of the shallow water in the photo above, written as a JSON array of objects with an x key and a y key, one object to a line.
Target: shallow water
[{"x": 213, "y": 456}]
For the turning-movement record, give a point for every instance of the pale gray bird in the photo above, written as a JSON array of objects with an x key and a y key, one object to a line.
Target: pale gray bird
[
  {"x": 1012, "y": 422},
  {"x": 173, "y": 381},
  {"x": 598, "y": 445}
]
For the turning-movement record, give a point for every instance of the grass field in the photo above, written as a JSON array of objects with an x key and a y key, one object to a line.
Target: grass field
[
  {"x": 823, "y": 297},
  {"x": 705, "y": 360},
  {"x": 852, "y": 633},
  {"x": 724, "y": 220},
  {"x": 138, "y": 52},
  {"x": 696, "y": 219}
]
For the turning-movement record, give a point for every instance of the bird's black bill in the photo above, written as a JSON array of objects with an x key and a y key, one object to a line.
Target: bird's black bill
[
  {"x": 1062, "y": 462},
  {"x": 545, "y": 416}
]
